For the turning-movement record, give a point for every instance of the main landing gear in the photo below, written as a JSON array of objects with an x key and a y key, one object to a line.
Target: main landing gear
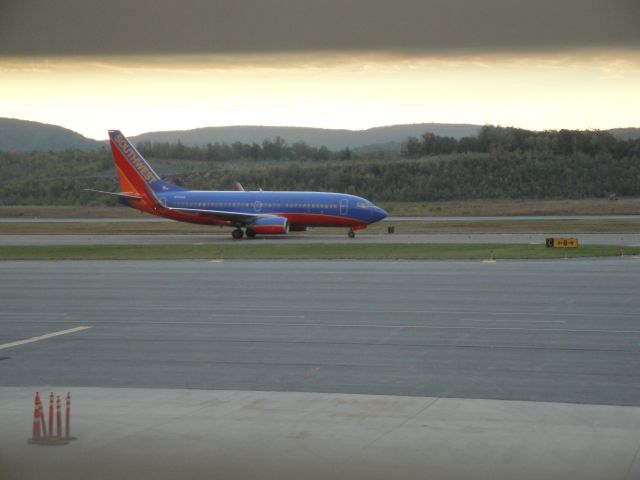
[
  {"x": 238, "y": 233},
  {"x": 351, "y": 234}
]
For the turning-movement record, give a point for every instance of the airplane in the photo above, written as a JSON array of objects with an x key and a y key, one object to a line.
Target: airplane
[{"x": 250, "y": 212}]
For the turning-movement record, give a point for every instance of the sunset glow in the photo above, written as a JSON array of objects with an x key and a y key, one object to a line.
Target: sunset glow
[{"x": 587, "y": 90}]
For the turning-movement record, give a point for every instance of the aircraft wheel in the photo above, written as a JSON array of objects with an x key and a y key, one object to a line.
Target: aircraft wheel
[
  {"x": 237, "y": 234},
  {"x": 351, "y": 234},
  {"x": 251, "y": 233}
]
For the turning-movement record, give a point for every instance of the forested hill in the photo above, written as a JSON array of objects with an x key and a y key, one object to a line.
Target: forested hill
[
  {"x": 23, "y": 135},
  {"x": 625, "y": 133},
  {"x": 495, "y": 163},
  {"x": 316, "y": 137}
]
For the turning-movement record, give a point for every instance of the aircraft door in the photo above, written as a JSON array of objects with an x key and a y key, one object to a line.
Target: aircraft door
[{"x": 344, "y": 206}]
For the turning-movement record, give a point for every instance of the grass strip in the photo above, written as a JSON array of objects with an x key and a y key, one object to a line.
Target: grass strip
[
  {"x": 308, "y": 252},
  {"x": 491, "y": 207},
  {"x": 403, "y": 227}
]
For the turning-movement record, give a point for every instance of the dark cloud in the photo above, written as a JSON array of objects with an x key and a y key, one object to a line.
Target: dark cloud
[{"x": 134, "y": 27}]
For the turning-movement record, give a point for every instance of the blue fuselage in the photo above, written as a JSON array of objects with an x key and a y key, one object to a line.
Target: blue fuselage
[{"x": 301, "y": 208}]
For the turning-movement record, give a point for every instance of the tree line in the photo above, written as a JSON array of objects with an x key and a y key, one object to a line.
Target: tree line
[
  {"x": 502, "y": 163},
  {"x": 492, "y": 139},
  {"x": 270, "y": 149}
]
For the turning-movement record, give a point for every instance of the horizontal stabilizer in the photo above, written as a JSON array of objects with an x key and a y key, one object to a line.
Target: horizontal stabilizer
[{"x": 117, "y": 194}]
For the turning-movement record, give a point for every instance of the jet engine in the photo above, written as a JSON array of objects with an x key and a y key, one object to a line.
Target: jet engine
[{"x": 269, "y": 226}]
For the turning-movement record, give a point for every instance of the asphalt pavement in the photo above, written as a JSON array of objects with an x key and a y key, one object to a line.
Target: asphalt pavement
[
  {"x": 169, "y": 434},
  {"x": 560, "y": 331}
]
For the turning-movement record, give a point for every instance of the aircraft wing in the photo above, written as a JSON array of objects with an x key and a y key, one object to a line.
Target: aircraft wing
[
  {"x": 231, "y": 216},
  {"x": 117, "y": 194}
]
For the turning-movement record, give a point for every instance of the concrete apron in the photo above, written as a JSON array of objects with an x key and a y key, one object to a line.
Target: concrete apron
[{"x": 168, "y": 434}]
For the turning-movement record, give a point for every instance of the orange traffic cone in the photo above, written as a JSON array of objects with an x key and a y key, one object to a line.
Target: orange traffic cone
[
  {"x": 58, "y": 419},
  {"x": 35, "y": 432},
  {"x": 67, "y": 420},
  {"x": 43, "y": 423},
  {"x": 51, "y": 414},
  {"x": 39, "y": 430}
]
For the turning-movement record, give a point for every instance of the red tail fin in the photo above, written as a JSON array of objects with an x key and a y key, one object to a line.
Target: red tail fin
[{"x": 135, "y": 175}]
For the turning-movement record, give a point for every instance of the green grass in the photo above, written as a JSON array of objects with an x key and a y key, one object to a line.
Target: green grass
[
  {"x": 500, "y": 207},
  {"x": 510, "y": 226},
  {"x": 303, "y": 252},
  {"x": 108, "y": 228},
  {"x": 402, "y": 227}
]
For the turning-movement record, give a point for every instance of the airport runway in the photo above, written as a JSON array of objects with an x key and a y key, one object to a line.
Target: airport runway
[
  {"x": 311, "y": 238},
  {"x": 420, "y": 218},
  {"x": 563, "y": 331}
]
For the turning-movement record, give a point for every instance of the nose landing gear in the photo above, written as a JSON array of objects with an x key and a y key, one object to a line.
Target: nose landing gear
[{"x": 351, "y": 234}]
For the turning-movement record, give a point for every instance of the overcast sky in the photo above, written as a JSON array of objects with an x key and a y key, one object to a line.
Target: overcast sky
[
  {"x": 92, "y": 27},
  {"x": 147, "y": 65}
]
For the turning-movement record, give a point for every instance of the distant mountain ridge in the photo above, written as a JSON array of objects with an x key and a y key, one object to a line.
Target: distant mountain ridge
[
  {"x": 23, "y": 135},
  {"x": 625, "y": 133},
  {"x": 333, "y": 139}
]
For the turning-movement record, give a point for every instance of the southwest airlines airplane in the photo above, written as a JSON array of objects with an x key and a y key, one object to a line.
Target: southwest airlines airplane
[{"x": 264, "y": 213}]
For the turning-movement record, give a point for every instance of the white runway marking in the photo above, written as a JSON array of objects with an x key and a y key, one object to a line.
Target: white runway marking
[
  {"x": 42, "y": 337},
  {"x": 441, "y": 327}
]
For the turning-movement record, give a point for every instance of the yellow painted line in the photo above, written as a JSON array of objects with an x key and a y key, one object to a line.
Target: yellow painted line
[{"x": 42, "y": 337}]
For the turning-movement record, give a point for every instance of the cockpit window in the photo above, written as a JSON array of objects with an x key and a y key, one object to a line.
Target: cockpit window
[{"x": 363, "y": 205}]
